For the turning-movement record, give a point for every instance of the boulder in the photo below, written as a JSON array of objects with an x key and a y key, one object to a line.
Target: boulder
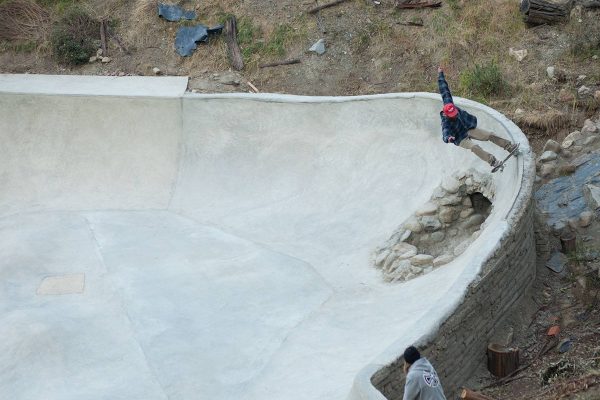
[
  {"x": 589, "y": 127},
  {"x": 566, "y": 169},
  {"x": 467, "y": 212},
  {"x": 421, "y": 260},
  {"x": 574, "y": 136},
  {"x": 548, "y": 156},
  {"x": 318, "y": 47},
  {"x": 551, "y": 145},
  {"x": 550, "y": 71},
  {"x": 586, "y": 218},
  {"x": 566, "y": 144},
  {"x": 428, "y": 208},
  {"x": 589, "y": 140},
  {"x": 447, "y": 214},
  {"x": 443, "y": 259},
  {"x": 430, "y": 223},
  {"x": 413, "y": 225},
  {"x": 467, "y": 202},
  {"x": 584, "y": 91},
  {"x": 398, "y": 267},
  {"x": 404, "y": 250},
  {"x": 450, "y": 200},
  {"x": 438, "y": 236},
  {"x": 547, "y": 170},
  {"x": 591, "y": 193},
  {"x": 381, "y": 257},
  {"x": 450, "y": 185},
  {"x": 474, "y": 220}
]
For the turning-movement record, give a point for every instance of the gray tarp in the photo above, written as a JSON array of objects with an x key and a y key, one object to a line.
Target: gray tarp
[
  {"x": 174, "y": 13},
  {"x": 188, "y": 36}
]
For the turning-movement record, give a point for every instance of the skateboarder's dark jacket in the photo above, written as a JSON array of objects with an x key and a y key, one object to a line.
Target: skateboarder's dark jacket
[{"x": 459, "y": 126}]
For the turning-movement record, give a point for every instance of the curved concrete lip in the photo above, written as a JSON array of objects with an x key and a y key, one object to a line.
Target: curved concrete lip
[{"x": 158, "y": 244}]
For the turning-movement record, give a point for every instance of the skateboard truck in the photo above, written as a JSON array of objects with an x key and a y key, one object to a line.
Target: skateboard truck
[{"x": 501, "y": 166}]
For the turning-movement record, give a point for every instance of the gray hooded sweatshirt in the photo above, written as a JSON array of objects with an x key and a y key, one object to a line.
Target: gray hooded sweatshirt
[{"x": 422, "y": 382}]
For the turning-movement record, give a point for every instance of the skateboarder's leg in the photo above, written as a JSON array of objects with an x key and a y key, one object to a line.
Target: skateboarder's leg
[
  {"x": 468, "y": 144},
  {"x": 481, "y": 134}
]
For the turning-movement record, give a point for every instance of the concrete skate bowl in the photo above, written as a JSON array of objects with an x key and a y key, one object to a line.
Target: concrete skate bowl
[{"x": 157, "y": 244}]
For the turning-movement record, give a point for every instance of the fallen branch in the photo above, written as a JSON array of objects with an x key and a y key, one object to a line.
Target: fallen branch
[
  {"x": 566, "y": 389},
  {"x": 278, "y": 63},
  {"x": 419, "y": 4},
  {"x": 410, "y": 23},
  {"x": 327, "y": 5},
  {"x": 118, "y": 41}
]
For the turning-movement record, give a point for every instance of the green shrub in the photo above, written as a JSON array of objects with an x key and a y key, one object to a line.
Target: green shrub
[
  {"x": 74, "y": 38},
  {"x": 483, "y": 81}
]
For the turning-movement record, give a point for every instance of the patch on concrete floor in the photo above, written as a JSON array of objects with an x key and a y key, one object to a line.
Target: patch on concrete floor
[{"x": 62, "y": 284}]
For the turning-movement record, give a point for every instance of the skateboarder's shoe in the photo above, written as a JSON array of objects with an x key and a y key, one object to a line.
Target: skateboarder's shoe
[{"x": 495, "y": 163}]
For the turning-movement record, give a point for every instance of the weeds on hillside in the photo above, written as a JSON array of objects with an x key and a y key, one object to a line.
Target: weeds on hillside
[
  {"x": 23, "y": 20},
  {"x": 483, "y": 81},
  {"x": 74, "y": 37}
]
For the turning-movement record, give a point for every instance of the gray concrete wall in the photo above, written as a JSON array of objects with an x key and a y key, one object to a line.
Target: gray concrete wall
[{"x": 459, "y": 346}]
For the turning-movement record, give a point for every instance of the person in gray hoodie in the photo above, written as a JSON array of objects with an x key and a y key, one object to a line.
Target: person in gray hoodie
[{"x": 422, "y": 382}]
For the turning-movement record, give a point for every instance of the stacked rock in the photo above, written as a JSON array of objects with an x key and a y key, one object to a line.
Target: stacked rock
[
  {"x": 439, "y": 231},
  {"x": 555, "y": 158}
]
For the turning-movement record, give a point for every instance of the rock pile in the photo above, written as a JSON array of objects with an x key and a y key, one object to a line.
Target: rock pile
[
  {"x": 569, "y": 197},
  {"x": 556, "y": 158},
  {"x": 440, "y": 230}
]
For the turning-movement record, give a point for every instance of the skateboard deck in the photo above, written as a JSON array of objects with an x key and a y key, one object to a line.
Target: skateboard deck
[{"x": 501, "y": 166}]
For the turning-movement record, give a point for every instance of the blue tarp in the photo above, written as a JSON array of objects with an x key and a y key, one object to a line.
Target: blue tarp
[
  {"x": 188, "y": 36},
  {"x": 174, "y": 13}
]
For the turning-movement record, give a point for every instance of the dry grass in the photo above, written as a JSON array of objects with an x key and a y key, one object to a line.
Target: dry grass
[
  {"x": 551, "y": 120},
  {"x": 23, "y": 20}
]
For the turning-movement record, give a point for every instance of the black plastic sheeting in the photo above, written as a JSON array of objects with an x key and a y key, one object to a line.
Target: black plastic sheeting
[
  {"x": 189, "y": 36},
  {"x": 174, "y": 13}
]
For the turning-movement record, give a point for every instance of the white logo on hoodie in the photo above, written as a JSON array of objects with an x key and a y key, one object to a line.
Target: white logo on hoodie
[{"x": 431, "y": 379}]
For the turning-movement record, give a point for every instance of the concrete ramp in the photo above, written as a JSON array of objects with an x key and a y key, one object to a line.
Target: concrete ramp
[{"x": 216, "y": 246}]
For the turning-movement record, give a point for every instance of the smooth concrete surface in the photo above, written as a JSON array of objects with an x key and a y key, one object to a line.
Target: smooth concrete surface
[{"x": 225, "y": 240}]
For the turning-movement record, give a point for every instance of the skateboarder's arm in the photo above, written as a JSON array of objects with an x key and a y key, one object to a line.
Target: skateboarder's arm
[
  {"x": 447, "y": 132},
  {"x": 444, "y": 89}
]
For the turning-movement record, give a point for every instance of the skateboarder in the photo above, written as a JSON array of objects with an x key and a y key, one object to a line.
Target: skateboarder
[
  {"x": 460, "y": 127},
  {"x": 422, "y": 382}
]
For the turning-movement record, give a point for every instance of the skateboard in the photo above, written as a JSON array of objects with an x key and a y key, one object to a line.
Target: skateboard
[{"x": 501, "y": 166}]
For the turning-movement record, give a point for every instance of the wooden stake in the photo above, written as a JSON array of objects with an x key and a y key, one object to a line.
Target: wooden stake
[
  {"x": 103, "y": 38},
  {"x": 235, "y": 53}
]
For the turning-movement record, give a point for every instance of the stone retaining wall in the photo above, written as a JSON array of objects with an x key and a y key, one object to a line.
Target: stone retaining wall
[{"x": 460, "y": 344}]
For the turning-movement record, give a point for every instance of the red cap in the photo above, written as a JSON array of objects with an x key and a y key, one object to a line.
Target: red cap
[{"x": 450, "y": 110}]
